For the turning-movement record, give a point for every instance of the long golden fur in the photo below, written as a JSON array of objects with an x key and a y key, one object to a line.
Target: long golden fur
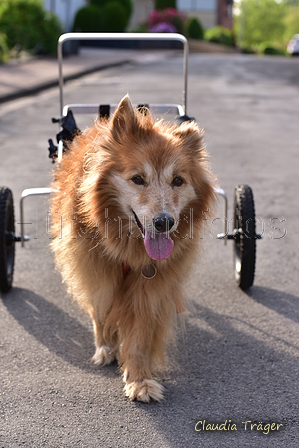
[{"x": 100, "y": 250}]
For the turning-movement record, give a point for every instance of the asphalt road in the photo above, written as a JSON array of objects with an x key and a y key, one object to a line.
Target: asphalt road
[{"x": 238, "y": 358}]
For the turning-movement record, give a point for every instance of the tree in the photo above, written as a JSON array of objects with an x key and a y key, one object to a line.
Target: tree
[
  {"x": 291, "y": 2},
  {"x": 292, "y": 22},
  {"x": 260, "y": 21}
]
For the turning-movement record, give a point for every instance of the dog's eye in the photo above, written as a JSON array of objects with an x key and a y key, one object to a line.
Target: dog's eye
[
  {"x": 177, "y": 181},
  {"x": 138, "y": 180}
]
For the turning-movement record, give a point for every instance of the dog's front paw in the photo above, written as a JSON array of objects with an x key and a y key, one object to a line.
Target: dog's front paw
[
  {"x": 104, "y": 355},
  {"x": 145, "y": 391}
]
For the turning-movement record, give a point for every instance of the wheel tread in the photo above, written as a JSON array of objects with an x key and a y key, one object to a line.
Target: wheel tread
[
  {"x": 6, "y": 202},
  {"x": 245, "y": 202}
]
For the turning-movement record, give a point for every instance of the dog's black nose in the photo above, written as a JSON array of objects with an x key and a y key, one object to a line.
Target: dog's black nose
[{"x": 163, "y": 222}]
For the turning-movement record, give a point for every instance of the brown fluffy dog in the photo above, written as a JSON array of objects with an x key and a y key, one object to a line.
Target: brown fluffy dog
[{"x": 133, "y": 198}]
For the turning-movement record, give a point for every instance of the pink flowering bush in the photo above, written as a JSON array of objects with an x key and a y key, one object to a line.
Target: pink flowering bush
[
  {"x": 169, "y": 16},
  {"x": 171, "y": 20},
  {"x": 163, "y": 27}
]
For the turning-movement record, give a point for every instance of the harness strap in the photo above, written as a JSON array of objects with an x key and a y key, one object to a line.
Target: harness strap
[{"x": 125, "y": 268}]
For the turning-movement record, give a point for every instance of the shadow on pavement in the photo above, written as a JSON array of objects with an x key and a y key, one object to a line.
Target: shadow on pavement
[
  {"x": 279, "y": 301},
  {"x": 54, "y": 328},
  {"x": 230, "y": 369}
]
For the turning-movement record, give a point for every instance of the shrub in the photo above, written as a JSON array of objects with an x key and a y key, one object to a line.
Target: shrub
[
  {"x": 271, "y": 49},
  {"x": 87, "y": 19},
  {"x": 3, "y": 48},
  {"x": 170, "y": 16},
  {"x": 113, "y": 17},
  {"x": 126, "y": 4},
  {"x": 220, "y": 35},
  {"x": 50, "y": 32},
  {"x": 260, "y": 21},
  {"x": 194, "y": 29},
  {"x": 163, "y": 27},
  {"x": 163, "y": 4},
  {"x": 141, "y": 28},
  {"x": 291, "y": 22},
  {"x": 26, "y": 23},
  {"x": 179, "y": 23},
  {"x": 248, "y": 50}
]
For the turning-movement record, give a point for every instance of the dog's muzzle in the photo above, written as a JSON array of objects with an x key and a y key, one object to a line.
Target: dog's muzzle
[
  {"x": 163, "y": 222},
  {"x": 158, "y": 244}
]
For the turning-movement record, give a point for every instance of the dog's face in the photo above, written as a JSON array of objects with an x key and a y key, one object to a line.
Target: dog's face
[
  {"x": 156, "y": 196},
  {"x": 157, "y": 173}
]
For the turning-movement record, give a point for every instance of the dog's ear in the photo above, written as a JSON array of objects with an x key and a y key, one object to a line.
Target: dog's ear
[
  {"x": 190, "y": 136},
  {"x": 124, "y": 120}
]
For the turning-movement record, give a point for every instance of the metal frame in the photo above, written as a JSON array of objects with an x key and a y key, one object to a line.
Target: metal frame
[
  {"x": 25, "y": 194},
  {"x": 46, "y": 191},
  {"x": 125, "y": 37},
  {"x": 223, "y": 236},
  {"x": 175, "y": 109}
]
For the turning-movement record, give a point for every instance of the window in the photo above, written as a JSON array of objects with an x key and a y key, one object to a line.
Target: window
[{"x": 197, "y": 5}]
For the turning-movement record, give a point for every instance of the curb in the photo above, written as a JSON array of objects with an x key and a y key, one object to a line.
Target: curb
[{"x": 49, "y": 84}]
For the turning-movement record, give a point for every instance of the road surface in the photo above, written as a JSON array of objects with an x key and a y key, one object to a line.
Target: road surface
[{"x": 237, "y": 360}]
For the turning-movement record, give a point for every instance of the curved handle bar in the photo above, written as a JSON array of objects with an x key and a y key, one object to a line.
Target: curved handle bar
[{"x": 123, "y": 36}]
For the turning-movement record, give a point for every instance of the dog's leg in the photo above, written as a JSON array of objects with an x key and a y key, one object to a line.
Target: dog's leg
[
  {"x": 105, "y": 351},
  {"x": 145, "y": 390},
  {"x": 136, "y": 365}
]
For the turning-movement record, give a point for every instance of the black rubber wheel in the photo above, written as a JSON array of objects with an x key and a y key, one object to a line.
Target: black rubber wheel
[
  {"x": 7, "y": 243},
  {"x": 245, "y": 236}
]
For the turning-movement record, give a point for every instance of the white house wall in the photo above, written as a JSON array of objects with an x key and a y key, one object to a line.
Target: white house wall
[
  {"x": 197, "y": 5},
  {"x": 204, "y": 10},
  {"x": 65, "y": 10},
  {"x": 141, "y": 11}
]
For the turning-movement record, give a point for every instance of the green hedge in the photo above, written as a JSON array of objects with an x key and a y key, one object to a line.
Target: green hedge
[
  {"x": 113, "y": 17},
  {"x": 26, "y": 23},
  {"x": 126, "y": 5},
  {"x": 194, "y": 29},
  {"x": 163, "y": 4},
  {"x": 220, "y": 35},
  {"x": 110, "y": 18},
  {"x": 4, "y": 55},
  {"x": 271, "y": 49},
  {"x": 88, "y": 19}
]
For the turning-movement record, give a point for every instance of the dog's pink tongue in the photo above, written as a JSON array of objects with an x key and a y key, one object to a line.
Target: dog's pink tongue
[{"x": 158, "y": 246}]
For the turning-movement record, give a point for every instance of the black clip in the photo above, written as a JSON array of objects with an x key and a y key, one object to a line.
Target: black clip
[
  {"x": 53, "y": 150},
  {"x": 183, "y": 118},
  {"x": 69, "y": 128},
  {"x": 104, "y": 111},
  {"x": 67, "y": 134}
]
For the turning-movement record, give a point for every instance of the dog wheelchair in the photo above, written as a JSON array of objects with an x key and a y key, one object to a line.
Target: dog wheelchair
[{"x": 244, "y": 233}]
